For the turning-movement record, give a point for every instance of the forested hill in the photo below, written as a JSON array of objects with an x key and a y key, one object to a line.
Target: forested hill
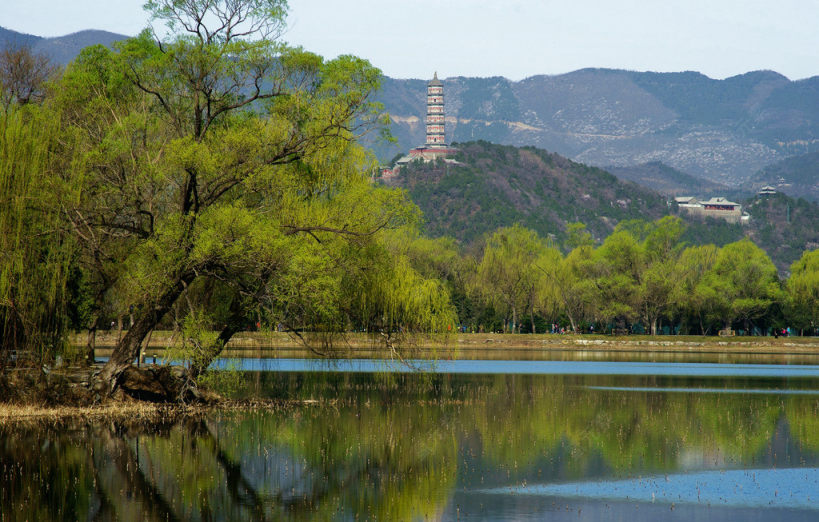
[
  {"x": 783, "y": 226},
  {"x": 497, "y": 185},
  {"x": 500, "y": 185},
  {"x": 797, "y": 176}
]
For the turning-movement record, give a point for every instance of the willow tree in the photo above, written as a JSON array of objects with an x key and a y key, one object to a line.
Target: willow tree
[
  {"x": 693, "y": 296},
  {"x": 34, "y": 255},
  {"x": 568, "y": 286},
  {"x": 803, "y": 290},
  {"x": 660, "y": 277},
  {"x": 211, "y": 155},
  {"x": 507, "y": 275},
  {"x": 745, "y": 283},
  {"x": 616, "y": 269}
]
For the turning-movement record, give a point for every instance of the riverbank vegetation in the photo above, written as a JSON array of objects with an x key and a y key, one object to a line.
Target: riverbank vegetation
[{"x": 210, "y": 181}]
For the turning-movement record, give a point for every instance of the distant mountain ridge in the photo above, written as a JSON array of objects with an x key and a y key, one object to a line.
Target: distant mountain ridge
[
  {"x": 725, "y": 131},
  {"x": 61, "y": 49},
  {"x": 722, "y": 130}
]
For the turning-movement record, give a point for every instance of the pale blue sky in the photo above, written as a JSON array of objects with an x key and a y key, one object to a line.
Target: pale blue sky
[{"x": 512, "y": 38}]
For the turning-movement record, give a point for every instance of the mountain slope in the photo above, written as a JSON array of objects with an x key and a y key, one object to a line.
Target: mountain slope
[
  {"x": 63, "y": 49},
  {"x": 500, "y": 185},
  {"x": 784, "y": 227},
  {"x": 9, "y": 38},
  {"x": 658, "y": 176}
]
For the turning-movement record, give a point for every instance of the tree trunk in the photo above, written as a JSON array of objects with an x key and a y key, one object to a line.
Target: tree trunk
[
  {"x": 514, "y": 318},
  {"x": 127, "y": 349},
  {"x": 91, "y": 343},
  {"x": 654, "y": 326},
  {"x": 145, "y": 346},
  {"x": 214, "y": 349}
]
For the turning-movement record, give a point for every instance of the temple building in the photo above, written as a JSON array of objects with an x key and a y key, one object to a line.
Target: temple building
[{"x": 716, "y": 207}]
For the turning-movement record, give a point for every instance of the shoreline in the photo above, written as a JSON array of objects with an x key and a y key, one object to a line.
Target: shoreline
[
  {"x": 133, "y": 411},
  {"x": 273, "y": 344},
  {"x": 523, "y": 347}
]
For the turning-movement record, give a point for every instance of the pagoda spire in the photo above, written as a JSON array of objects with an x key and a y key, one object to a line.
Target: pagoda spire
[{"x": 436, "y": 137}]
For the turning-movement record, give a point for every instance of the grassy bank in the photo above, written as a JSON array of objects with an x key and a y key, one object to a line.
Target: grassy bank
[{"x": 280, "y": 344}]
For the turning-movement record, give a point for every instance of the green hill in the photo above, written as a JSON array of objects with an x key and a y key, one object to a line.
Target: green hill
[
  {"x": 783, "y": 226},
  {"x": 499, "y": 185}
]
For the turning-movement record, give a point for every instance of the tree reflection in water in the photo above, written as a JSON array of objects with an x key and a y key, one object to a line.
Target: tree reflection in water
[{"x": 398, "y": 447}]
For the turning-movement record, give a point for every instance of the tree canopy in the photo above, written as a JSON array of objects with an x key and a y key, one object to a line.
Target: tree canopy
[{"x": 216, "y": 172}]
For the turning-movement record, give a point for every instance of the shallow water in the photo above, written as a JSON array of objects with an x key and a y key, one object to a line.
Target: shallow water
[
  {"x": 521, "y": 367},
  {"x": 557, "y": 441}
]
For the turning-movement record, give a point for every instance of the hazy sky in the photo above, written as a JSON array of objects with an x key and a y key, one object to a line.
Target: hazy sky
[{"x": 512, "y": 38}]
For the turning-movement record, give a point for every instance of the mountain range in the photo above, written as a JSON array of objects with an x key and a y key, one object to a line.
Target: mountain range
[
  {"x": 644, "y": 126},
  {"x": 60, "y": 49},
  {"x": 725, "y": 131},
  {"x": 722, "y": 130}
]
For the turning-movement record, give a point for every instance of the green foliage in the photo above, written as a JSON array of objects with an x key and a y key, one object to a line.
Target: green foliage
[
  {"x": 507, "y": 276},
  {"x": 803, "y": 290},
  {"x": 577, "y": 236},
  {"x": 35, "y": 254},
  {"x": 744, "y": 281},
  {"x": 497, "y": 186},
  {"x": 221, "y": 167}
]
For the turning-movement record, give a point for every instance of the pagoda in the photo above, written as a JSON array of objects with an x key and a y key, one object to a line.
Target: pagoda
[
  {"x": 436, "y": 137},
  {"x": 435, "y": 146}
]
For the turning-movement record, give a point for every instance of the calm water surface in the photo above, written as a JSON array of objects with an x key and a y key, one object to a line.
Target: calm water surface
[{"x": 476, "y": 440}]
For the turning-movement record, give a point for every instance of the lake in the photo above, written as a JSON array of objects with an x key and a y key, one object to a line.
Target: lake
[{"x": 635, "y": 440}]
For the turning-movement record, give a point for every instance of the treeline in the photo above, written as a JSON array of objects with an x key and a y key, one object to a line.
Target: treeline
[{"x": 642, "y": 278}]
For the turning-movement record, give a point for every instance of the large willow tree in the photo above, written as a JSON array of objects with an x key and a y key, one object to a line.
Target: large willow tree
[
  {"x": 34, "y": 255},
  {"x": 219, "y": 156}
]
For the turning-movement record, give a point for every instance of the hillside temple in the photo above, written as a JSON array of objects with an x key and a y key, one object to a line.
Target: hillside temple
[
  {"x": 716, "y": 207},
  {"x": 435, "y": 146}
]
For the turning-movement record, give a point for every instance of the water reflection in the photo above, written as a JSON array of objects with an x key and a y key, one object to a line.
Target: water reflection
[{"x": 438, "y": 446}]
